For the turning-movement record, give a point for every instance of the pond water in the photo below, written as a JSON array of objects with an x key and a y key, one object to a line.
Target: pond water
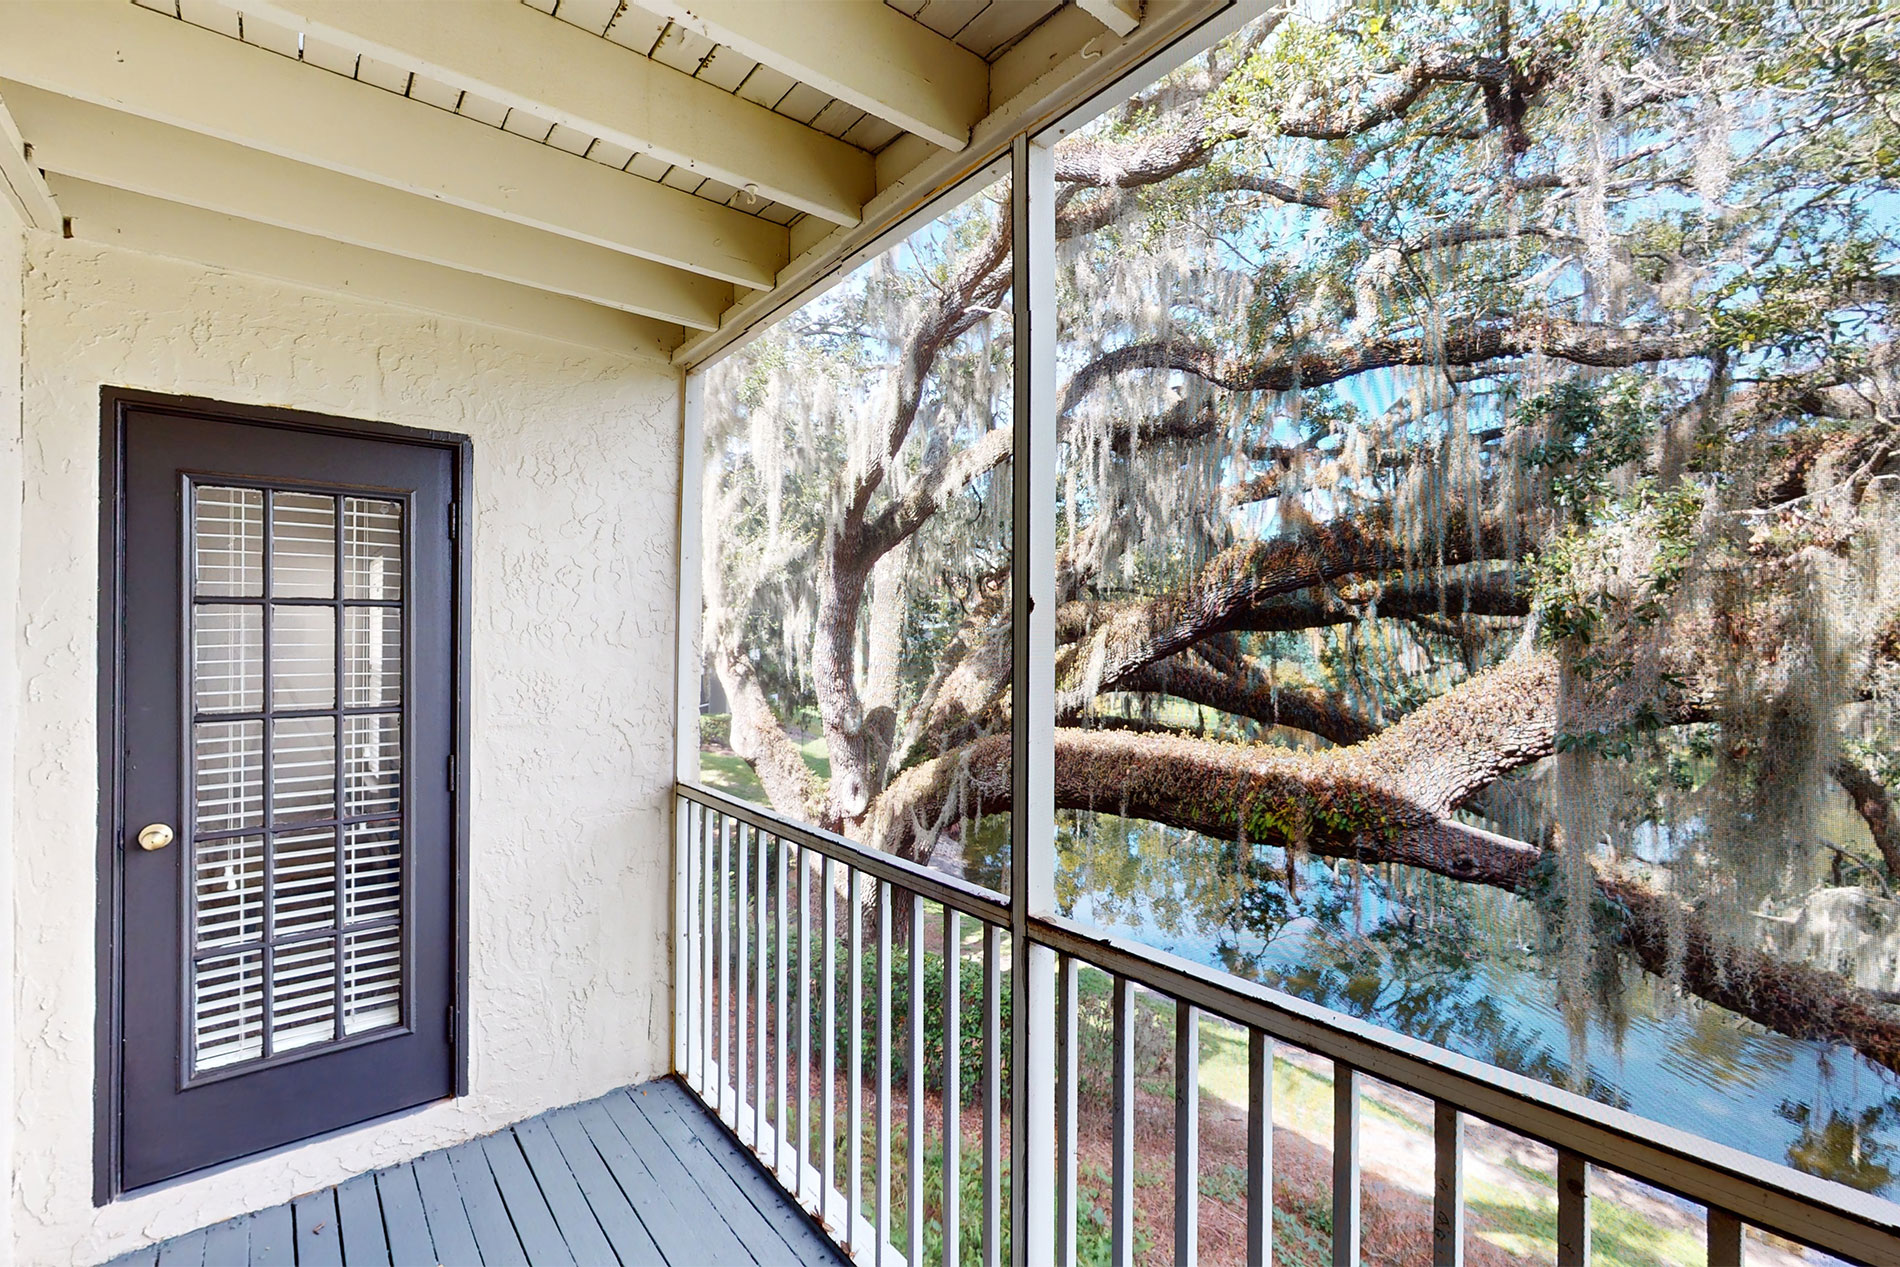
[{"x": 1462, "y": 969}]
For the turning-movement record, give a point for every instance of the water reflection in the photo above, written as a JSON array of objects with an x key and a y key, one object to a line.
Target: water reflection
[{"x": 1463, "y": 968}]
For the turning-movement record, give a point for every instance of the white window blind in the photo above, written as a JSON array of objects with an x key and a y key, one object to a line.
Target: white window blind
[{"x": 297, "y": 830}]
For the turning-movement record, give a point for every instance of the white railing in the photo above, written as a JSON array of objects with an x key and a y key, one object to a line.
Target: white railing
[{"x": 752, "y": 902}]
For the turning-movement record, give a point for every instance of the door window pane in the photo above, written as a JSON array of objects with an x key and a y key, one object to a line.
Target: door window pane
[
  {"x": 228, "y": 1017},
  {"x": 303, "y": 994},
  {"x": 227, "y": 654},
  {"x": 303, "y": 866},
  {"x": 372, "y": 872},
  {"x": 372, "y": 981},
  {"x": 228, "y": 880},
  {"x": 372, "y": 765},
  {"x": 229, "y": 762},
  {"x": 303, "y": 546},
  {"x": 303, "y": 778},
  {"x": 372, "y": 656},
  {"x": 303, "y": 657},
  {"x": 228, "y": 543},
  {"x": 372, "y": 549}
]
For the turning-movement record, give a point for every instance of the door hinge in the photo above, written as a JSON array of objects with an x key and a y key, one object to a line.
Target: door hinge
[
  {"x": 451, "y": 1023},
  {"x": 451, "y": 772},
  {"x": 454, "y": 517}
]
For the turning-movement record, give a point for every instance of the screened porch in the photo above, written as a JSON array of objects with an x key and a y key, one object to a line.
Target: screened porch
[{"x": 951, "y": 632}]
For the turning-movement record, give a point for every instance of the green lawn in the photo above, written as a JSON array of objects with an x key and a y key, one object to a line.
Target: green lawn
[
  {"x": 733, "y": 776},
  {"x": 1523, "y": 1219}
]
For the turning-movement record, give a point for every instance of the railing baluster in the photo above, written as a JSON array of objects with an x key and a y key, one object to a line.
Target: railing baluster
[
  {"x": 783, "y": 943},
  {"x": 992, "y": 1096},
  {"x": 882, "y": 1162},
  {"x": 742, "y": 994},
  {"x": 854, "y": 1077},
  {"x": 828, "y": 1044},
  {"x": 803, "y": 1038},
  {"x": 1122, "y": 1176},
  {"x": 914, "y": 1099},
  {"x": 1259, "y": 1149},
  {"x": 1726, "y": 1248},
  {"x": 1573, "y": 1210},
  {"x": 690, "y": 814},
  {"x": 760, "y": 1021},
  {"x": 1345, "y": 1165},
  {"x": 952, "y": 1087},
  {"x": 725, "y": 964},
  {"x": 1187, "y": 1135},
  {"x": 1448, "y": 1192},
  {"x": 708, "y": 952},
  {"x": 1068, "y": 981}
]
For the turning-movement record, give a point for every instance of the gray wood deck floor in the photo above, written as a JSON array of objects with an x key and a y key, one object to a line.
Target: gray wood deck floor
[{"x": 645, "y": 1175}]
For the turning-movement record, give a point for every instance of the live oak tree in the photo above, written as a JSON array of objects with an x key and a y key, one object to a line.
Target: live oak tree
[{"x": 1468, "y": 414}]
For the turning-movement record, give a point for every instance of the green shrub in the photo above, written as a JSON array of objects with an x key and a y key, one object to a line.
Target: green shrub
[
  {"x": 716, "y": 728},
  {"x": 970, "y": 1067}
]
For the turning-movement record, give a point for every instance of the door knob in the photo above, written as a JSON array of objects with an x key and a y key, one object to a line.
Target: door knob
[{"x": 155, "y": 836}]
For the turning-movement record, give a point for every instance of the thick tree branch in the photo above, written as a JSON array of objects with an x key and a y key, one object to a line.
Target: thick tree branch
[
  {"x": 909, "y": 513},
  {"x": 1273, "y": 697},
  {"x": 1472, "y": 343},
  {"x": 1387, "y": 800},
  {"x": 761, "y": 740},
  {"x": 1874, "y": 801},
  {"x": 1234, "y": 585}
]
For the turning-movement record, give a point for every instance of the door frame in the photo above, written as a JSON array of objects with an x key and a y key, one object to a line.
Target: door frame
[{"x": 115, "y": 403}]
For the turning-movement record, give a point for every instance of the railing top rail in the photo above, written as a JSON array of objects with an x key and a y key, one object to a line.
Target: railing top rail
[
  {"x": 1827, "y": 1215},
  {"x": 933, "y": 886}
]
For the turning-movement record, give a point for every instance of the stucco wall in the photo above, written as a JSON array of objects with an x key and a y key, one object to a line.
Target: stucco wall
[
  {"x": 576, "y": 471},
  {"x": 12, "y": 264}
]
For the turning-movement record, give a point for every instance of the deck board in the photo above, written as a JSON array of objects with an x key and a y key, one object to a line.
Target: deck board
[
  {"x": 676, "y": 1214},
  {"x": 184, "y": 1251},
  {"x": 642, "y": 1177},
  {"x": 319, "y": 1240},
  {"x": 273, "y": 1238},
  {"x": 737, "y": 1185},
  {"x": 541, "y": 1241},
  {"x": 229, "y": 1242},
  {"x": 360, "y": 1222},
  {"x": 448, "y": 1220},
  {"x": 494, "y": 1230},
  {"x": 404, "y": 1222},
  {"x": 746, "y": 1172},
  {"x": 578, "y": 1224},
  {"x": 632, "y": 1241},
  {"x": 707, "y": 1214}
]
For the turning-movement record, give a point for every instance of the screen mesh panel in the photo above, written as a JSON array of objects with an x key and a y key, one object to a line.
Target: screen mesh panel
[{"x": 297, "y": 829}]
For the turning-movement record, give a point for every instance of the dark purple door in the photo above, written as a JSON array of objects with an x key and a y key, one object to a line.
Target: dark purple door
[{"x": 287, "y": 668}]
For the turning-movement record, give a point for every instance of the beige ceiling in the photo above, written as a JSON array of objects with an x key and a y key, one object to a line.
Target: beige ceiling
[{"x": 638, "y": 177}]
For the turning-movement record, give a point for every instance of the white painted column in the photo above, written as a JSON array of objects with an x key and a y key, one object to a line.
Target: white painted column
[
  {"x": 688, "y": 662},
  {"x": 1032, "y": 801},
  {"x": 12, "y": 323}
]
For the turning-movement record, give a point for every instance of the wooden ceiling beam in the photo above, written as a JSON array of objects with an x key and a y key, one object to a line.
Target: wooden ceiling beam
[
  {"x": 514, "y": 54},
  {"x": 75, "y": 138},
  {"x": 148, "y": 64},
  {"x": 117, "y": 218},
  {"x": 860, "y": 51},
  {"x": 22, "y": 187}
]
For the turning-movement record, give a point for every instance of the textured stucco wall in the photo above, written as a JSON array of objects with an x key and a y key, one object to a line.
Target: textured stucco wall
[
  {"x": 12, "y": 264},
  {"x": 575, "y": 516}
]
